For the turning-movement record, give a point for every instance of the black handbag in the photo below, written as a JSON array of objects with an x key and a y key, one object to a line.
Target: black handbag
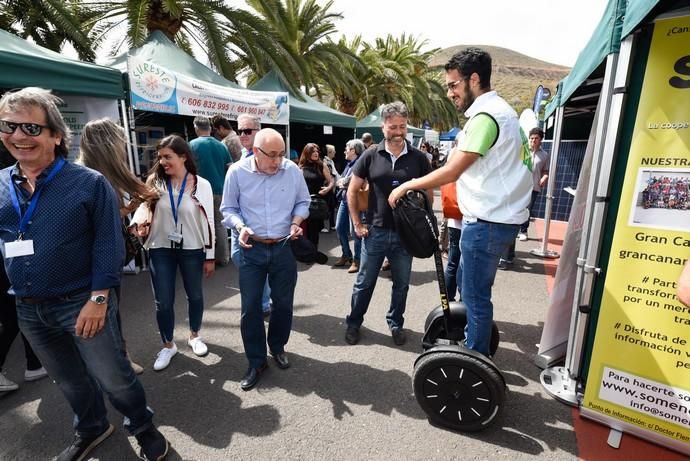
[
  {"x": 133, "y": 245},
  {"x": 318, "y": 208}
]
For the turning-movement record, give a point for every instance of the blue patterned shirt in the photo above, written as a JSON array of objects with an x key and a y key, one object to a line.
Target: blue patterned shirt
[{"x": 75, "y": 228}]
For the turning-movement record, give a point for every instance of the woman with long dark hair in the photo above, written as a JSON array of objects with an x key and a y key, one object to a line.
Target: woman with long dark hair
[
  {"x": 319, "y": 182},
  {"x": 179, "y": 228},
  {"x": 103, "y": 148}
]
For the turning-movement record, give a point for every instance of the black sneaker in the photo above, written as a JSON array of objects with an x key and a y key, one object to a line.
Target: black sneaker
[
  {"x": 154, "y": 447},
  {"x": 82, "y": 446},
  {"x": 352, "y": 335},
  {"x": 398, "y": 336}
]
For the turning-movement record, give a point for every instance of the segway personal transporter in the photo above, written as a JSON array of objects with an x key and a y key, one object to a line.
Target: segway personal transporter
[{"x": 457, "y": 387}]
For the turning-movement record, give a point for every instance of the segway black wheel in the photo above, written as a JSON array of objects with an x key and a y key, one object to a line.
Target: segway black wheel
[
  {"x": 435, "y": 327},
  {"x": 458, "y": 391}
]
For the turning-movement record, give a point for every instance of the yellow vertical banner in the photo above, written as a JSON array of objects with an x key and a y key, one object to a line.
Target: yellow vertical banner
[{"x": 639, "y": 375}]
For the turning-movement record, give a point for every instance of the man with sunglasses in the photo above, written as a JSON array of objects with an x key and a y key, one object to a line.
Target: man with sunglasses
[
  {"x": 61, "y": 238},
  {"x": 247, "y": 127},
  {"x": 494, "y": 183},
  {"x": 265, "y": 199}
]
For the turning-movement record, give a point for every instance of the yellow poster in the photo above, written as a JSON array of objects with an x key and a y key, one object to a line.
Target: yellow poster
[{"x": 640, "y": 366}]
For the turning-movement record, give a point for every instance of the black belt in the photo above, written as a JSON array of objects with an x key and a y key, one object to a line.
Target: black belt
[
  {"x": 493, "y": 222},
  {"x": 47, "y": 299},
  {"x": 266, "y": 241}
]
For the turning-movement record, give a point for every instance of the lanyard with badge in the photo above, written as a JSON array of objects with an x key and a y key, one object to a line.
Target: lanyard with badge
[
  {"x": 176, "y": 237},
  {"x": 21, "y": 247}
]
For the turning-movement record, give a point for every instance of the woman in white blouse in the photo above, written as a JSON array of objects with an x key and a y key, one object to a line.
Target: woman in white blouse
[{"x": 179, "y": 227}]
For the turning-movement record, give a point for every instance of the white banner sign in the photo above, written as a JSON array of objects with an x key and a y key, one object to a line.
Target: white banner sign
[{"x": 156, "y": 89}]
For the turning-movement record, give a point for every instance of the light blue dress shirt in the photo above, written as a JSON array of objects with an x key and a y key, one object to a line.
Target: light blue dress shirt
[{"x": 265, "y": 203}]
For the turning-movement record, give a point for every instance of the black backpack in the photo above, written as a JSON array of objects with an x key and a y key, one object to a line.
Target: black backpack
[{"x": 416, "y": 224}]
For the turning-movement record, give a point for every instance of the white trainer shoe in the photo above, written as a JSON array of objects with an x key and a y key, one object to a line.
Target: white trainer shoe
[
  {"x": 7, "y": 384},
  {"x": 522, "y": 237},
  {"x": 164, "y": 356},
  {"x": 198, "y": 346},
  {"x": 35, "y": 375}
]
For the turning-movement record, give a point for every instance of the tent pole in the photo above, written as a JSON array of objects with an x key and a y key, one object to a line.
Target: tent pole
[
  {"x": 544, "y": 252},
  {"x": 128, "y": 135},
  {"x": 562, "y": 382}
]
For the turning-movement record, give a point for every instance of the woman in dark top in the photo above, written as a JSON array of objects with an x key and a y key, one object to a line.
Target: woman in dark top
[{"x": 319, "y": 182}]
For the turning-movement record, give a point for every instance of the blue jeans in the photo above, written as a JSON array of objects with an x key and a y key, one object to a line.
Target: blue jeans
[
  {"x": 482, "y": 244},
  {"x": 277, "y": 263},
  {"x": 381, "y": 243},
  {"x": 85, "y": 368},
  {"x": 235, "y": 256},
  {"x": 163, "y": 264},
  {"x": 343, "y": 227},
  {"x": 453, "y": 277}
]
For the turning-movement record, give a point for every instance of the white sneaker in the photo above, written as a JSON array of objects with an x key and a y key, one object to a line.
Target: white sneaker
[
  {"x": 198, "y": 346},
  {"x": 164, "y": 356},
  {"x": 325, "y": 230},
  {"x": 35, "y": 375},
  {"x": 522, "y": 237},
  {"x": 6, "y": 384}
]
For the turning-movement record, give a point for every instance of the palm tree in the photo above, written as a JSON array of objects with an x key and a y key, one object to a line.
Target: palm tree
[
  {"x": 49, "y": 23},
  {"x": 301, "y": 30},
  {"x": 192, "y": 24},
  {"x": 395, "y": 69}
]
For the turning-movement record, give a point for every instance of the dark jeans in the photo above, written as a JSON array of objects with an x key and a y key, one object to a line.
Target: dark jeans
[
  {"x": 86, "y": 368},
  {"x": 163, "y": 263},
  {"x": 256, "y": 264},
  {"x": 379, "y": 244},
  {"x": 343, "y": 227},
  {"x": 10, "y": 328},
  {"x": 452, "y": 276}
]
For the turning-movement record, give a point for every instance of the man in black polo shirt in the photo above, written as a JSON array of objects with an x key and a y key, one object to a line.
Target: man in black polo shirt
[{"x": 385, "y": 166}]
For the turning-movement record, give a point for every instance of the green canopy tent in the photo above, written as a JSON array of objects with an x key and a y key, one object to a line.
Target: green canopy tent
[
  {"x": 88, "y": 91},
  {"x": 191, "y": 81},
  {"x": 372, "y": 124},
  {"x": 26, "y": 64},
  {"x": 160, "y": 50},
  {"x": 310, "y": 120}
]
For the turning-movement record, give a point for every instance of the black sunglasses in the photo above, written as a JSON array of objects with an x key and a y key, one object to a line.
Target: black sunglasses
[
  {"x": 246, "y": 131},
  {"x": 29, "y": 129}
]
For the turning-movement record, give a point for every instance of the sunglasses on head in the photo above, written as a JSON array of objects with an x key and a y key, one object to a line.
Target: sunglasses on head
[
  {"x": 29, "y": 129},
  {"x": 246, "y": 131}
]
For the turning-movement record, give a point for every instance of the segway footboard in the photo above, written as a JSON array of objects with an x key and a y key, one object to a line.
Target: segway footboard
[
  {"x": 458, "y": 388},
  {"x": 435, "y": 327}
]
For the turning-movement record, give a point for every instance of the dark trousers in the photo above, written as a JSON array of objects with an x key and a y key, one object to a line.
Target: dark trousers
[{"x": 10, "y": 328}]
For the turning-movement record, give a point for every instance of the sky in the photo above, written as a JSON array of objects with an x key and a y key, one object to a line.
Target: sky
[{"x": 551, "y": 30}]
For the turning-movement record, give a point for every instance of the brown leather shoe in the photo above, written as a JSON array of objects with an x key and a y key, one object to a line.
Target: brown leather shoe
[
  {"x": 354, "y": 267},
  {"x": 343, "y": 261}
]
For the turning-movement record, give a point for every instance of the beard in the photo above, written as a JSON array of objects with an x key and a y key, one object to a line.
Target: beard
[{"x": 466, "y": 102}]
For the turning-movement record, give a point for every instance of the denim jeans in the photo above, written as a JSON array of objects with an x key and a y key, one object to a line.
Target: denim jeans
[
  {"x": 453, "y": 277},
  {"x": 482, "y": 243},
  {"x": 85, "y": 368},
  {"x": 235, "y": 256},
  {"x": 163, "y": 264},
  {"x": 277, "y": 263},
  {"x": 379, "y": 244},
  {"x": 343, "y": 227},
  {"x": 525, "y": 225}
]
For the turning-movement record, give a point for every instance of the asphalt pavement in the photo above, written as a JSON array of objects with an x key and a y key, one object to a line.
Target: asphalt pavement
[{"x": 336, "y": 402}]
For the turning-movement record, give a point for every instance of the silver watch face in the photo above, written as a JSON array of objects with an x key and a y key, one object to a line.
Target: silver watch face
[{"x": 99, "y": 299}]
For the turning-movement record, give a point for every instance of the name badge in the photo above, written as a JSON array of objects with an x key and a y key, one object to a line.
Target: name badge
[
  {"x": 175, "y": 237},
  {"x": 19, "y": 248}
]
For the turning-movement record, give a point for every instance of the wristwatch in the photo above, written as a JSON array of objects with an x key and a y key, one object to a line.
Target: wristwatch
[{"x": 99, "y": 299}]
